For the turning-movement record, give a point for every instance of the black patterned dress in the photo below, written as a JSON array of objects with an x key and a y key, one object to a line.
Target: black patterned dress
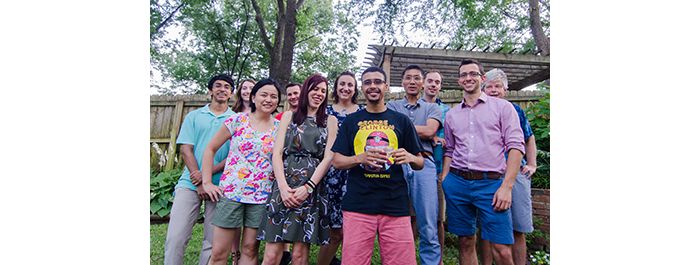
[
  {"x": 336, "y": 180},
  {"x": 304, "y": 146}
]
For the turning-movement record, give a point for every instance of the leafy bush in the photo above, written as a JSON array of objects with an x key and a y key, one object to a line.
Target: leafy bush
[
  {"x": 539, "y": 258},
  {"x": 541, "y": 178},
  {"x": 162, "y": 187},
  {"x": 538, "y": 115},
  {"x": 538, "y": 238}
]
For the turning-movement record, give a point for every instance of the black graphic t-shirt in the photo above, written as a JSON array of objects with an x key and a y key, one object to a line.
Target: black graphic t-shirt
[{"x": 376, "y": 190}]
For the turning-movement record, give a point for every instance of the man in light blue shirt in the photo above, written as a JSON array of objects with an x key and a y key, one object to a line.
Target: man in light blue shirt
[
  {"x": 197, "y": 129},
  {"x": 426, "y": 118}
]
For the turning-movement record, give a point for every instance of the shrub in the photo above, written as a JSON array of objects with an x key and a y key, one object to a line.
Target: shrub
[
  {"x": 162, "y": 187},
  {"x": 539, "y": 258},
  {"x": 538, "y": 115},
  {"x": 538, "y": 239}
]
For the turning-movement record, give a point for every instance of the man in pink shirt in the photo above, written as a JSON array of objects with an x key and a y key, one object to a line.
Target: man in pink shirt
[{"x": 476, "y": 176}]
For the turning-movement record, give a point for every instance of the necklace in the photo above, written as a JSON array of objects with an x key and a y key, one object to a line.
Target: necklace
[{"x": 344, "y": 111}]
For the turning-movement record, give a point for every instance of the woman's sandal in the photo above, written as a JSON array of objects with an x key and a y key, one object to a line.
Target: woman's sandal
[{"x": 235, "y": 256}]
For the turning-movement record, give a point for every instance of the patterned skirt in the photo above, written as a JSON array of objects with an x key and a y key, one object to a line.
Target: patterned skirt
[{"x": 336, "y": 181}]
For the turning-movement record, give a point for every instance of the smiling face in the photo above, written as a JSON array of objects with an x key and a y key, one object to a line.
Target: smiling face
[
  {"x": 346, "y": 87},
  {"x": 293, "y": 96},
  {"x": 433, "y": 84},
  {"x": 470, "y": 78},
  {"x": 373, "y": 87},
  {"x": 266, "y": 99},
  {"x": 220, "y": 91},
  {"x": 412, "y": 82},
  {"x": 495, "y": 88},
  {"x": 245, "y": 90},
  {"x": 317, "y": 94}
]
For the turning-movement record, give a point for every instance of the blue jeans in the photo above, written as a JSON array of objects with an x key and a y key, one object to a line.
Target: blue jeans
[{"x": 422, "y": 188}]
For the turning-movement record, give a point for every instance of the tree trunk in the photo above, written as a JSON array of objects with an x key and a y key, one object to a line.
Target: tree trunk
[
  {"x": 275, "y": 67},
  {"x": 541, "y": 40},
  {"x": 282, "y": 52},
  {"x": 288, "y": 41}
]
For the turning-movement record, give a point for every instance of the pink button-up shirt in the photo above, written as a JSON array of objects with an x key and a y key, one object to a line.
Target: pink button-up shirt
[{"x": 478, "y": 137}]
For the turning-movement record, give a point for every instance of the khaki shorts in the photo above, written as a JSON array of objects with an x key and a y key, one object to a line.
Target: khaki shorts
[{"x": 231, "y": 214}]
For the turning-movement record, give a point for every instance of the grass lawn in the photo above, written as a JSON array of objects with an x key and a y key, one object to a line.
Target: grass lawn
[{"x": 194, "y": 246}]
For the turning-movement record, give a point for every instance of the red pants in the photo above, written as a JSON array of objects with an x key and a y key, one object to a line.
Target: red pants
[{"x": 396, "y": 244}]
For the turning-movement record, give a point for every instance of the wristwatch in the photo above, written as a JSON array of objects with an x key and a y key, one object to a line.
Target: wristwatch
[{"x": 309, "y": 189}]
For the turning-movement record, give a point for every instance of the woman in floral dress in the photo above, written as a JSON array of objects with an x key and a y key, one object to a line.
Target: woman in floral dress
[
  {"x": 297, "y": 209},
  {"x": 345, "y": 102},
  {"x": 246, "y": 182}
]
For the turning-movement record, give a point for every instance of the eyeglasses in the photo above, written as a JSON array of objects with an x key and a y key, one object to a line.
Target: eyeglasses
[
  {"x": 370, "y": 81},
  {"x": 469, "y": 74}
]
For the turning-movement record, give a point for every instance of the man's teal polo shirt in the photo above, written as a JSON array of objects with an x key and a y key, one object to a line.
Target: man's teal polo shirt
[{"x": 197, "y": 129}]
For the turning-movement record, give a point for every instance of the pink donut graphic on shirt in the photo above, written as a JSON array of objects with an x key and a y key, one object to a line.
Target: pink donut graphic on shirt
[{"x": 378, "y": 140}]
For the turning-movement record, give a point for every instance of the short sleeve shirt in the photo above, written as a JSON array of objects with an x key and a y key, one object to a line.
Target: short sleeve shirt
[
  {"x": 376, "y": 190},
  {"x": 438, "y": 150},
  {"x": 197, "y": 129},
  {"x": 248, "y": 175},
  {"x": 418, "y": 114},
  {"x": 525, "y": 125}
]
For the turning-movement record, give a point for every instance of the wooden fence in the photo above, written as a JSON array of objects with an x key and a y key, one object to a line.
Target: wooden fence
[{"x": 167, "y": 113}]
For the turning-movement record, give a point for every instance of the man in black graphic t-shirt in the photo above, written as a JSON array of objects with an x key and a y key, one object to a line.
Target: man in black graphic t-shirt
[{"x": 373, "y": 143}]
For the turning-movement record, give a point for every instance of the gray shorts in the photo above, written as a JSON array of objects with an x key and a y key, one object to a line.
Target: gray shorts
[
  {"x": 231, "y": 214},
  {"x": 521, "y": 208}
]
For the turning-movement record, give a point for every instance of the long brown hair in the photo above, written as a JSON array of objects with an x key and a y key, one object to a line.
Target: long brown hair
[
  {"x": 335, "y": 88},
  {"x": 300, "y": 114},
  {"x": 237, "y": 101}
]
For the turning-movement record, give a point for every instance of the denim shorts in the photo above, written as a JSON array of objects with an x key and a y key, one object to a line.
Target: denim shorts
[
  {"x": 522, "y": 205},
  {"x": 464, "y": 198}
]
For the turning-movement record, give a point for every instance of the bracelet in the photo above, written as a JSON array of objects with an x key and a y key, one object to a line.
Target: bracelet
[{"x": 311, "y": 183}]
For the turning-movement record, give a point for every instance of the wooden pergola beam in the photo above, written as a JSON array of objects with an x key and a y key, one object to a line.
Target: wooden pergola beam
[
  {"x": 463, "y": 54},
  {"x": 522, "y": 69},
  {"x": 533, "y": 79}
]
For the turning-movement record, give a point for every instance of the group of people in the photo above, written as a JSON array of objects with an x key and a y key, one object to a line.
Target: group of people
[{"x": 342, "y": 173}]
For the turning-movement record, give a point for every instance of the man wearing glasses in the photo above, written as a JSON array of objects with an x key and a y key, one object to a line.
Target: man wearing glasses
[
  {"x": 422, "y": 184},
  {"x": 476, "y": 176},
  {"x": 374, "y": 144}
]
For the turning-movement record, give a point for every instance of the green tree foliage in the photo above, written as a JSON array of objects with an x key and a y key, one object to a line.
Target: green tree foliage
[
  {"x": 480, "y": 23},
  {"x": 222, "y": 36},
  {"x": 326, "y": 37}
]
